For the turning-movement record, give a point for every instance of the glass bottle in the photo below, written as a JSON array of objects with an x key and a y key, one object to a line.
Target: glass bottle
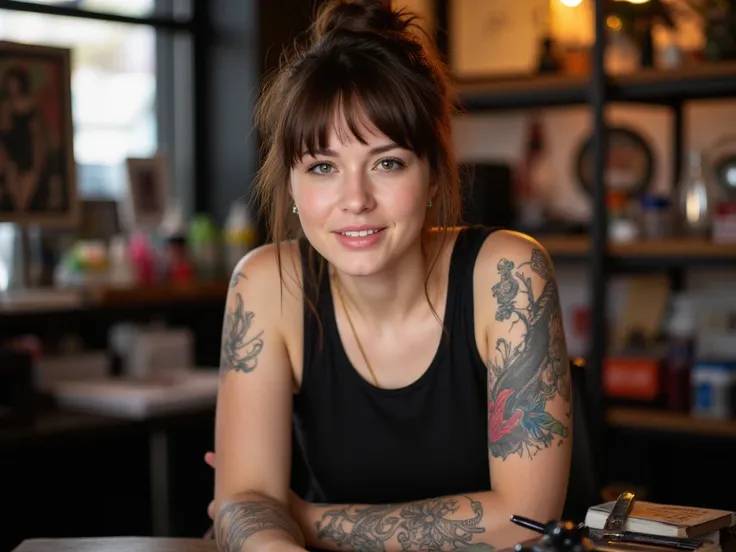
[
  {"x": 695, "y": 198},
  {"x": 680, "y": 332}
]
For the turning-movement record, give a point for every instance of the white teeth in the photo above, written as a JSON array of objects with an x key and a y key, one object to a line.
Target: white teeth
[{"x": 360, "y": 233}]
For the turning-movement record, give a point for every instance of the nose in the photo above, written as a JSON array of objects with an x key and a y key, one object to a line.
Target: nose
[{"x": 356, "y": 192}]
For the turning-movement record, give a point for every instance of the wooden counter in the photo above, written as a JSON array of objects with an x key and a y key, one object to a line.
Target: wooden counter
[
  {"x": 160, "y": 293},
  {"x": 101, "y": 297},
  {"x": 117, "y": 544}
]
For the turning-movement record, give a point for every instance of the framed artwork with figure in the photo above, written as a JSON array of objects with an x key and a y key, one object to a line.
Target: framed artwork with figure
[{"x": 37, "y": 173}]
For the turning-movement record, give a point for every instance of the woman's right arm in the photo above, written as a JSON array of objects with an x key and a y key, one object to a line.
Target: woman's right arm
[{"x": 253, "y": 426}]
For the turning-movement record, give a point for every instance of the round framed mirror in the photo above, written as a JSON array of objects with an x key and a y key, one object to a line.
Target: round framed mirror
[{"x": 629, "y": 162}]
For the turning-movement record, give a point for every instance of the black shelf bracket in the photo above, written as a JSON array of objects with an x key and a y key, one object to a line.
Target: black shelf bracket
[{"x": 599, "y": 233}]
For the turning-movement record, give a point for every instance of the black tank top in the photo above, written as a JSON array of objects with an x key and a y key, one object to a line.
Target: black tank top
[{"x": 362, "y": 444}]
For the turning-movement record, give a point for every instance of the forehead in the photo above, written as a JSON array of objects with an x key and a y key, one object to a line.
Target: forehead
[{"x": 353, "y": 129}]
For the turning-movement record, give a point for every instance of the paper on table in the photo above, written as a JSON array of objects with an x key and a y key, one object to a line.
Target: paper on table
[{"x": 140, "y": 399}]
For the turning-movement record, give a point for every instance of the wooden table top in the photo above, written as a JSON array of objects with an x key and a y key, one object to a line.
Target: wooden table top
[
  {"x": 117, "y": 544},
  {"x": 160, "y": 544}
]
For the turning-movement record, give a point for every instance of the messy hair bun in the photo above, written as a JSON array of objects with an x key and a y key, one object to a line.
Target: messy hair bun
[{"x": 360, "y": 16}]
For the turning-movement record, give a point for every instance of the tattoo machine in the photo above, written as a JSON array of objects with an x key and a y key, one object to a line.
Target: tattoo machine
[{"x": 557, "y": 536}]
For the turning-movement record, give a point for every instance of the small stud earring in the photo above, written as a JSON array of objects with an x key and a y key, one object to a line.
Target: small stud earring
[
  {"x": 295, "y": 210},
  {"x": 429, "y": 204}
]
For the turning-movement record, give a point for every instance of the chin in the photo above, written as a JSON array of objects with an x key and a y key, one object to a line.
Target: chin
[
  {"x": 357, "y": 269},
  {"x": 357, "y": 263}
]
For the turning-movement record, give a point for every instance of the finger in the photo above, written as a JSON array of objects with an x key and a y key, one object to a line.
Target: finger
[
  {"x": 211, "y": 510},
  {"x": 209, "y": 459}
]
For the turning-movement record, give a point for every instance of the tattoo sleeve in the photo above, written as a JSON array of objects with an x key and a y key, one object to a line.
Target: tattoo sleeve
[
  {"x": 240, "y": 346},
  {"x": 239, "y": 521},
  {"x": 529, "y": 370},
  {"x": 447, "y": 523}
]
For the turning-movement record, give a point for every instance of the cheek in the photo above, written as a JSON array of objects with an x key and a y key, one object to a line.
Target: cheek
[
  {"x": 403, "y": 204},
  {"x": 314, "y": 201},
  {"x": 406, "y": 199}
]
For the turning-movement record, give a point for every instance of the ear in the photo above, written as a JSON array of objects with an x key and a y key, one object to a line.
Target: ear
[{"x": 433, "y": 188}]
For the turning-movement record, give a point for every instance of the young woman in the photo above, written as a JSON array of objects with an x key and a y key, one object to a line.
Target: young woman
[{"x": 423, "y": 366}]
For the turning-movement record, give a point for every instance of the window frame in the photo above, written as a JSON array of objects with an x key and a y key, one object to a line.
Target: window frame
[
  {"x": 168, "y": 23},
  {"x": 178, "y": 30}
]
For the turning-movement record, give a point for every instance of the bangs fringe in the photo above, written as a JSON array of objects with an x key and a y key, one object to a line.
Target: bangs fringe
[{"x": 365, "y": 100}]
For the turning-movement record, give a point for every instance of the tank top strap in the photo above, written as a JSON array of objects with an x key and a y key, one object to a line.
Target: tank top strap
[
  {"x": 462, "y": 272},
  {"x": 470, "y": 239},
  {"x": 315, "y": 284}
]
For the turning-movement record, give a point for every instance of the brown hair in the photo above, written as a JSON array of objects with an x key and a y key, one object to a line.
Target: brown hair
[{"x": 367, "y": 59}]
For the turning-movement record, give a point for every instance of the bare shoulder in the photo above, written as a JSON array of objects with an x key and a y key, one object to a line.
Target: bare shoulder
[
  {"x": 262, "y": 268},
  {"x": 506, "y": 246}
]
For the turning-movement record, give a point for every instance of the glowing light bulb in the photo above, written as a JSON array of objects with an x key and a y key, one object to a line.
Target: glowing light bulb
[
  {"x": 571, "y": 3},
  {"x": 614, "y": 22}
]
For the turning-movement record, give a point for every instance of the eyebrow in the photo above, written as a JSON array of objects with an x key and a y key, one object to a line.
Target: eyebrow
[{"x": 373, "y": 151}]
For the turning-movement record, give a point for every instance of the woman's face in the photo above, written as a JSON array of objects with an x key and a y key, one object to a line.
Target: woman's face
[{"x": 362, "y": 206}]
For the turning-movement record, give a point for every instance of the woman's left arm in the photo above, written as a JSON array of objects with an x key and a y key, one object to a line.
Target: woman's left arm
[{"x": 529, "y": 424}]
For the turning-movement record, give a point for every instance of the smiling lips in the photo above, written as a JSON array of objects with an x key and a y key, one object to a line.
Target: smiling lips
[{"x": 359, "y": 237}]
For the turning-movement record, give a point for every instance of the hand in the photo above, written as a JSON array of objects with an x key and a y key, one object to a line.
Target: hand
[
  {"x": 209, "y": 459},
  {"x": 297, "y": 506}
]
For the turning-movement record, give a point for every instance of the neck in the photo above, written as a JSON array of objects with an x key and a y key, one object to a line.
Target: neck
[{"x": 391, "y": 296}]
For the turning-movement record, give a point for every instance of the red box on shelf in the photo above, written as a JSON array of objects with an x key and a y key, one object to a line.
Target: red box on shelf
[{"x": 633, "y": 378}]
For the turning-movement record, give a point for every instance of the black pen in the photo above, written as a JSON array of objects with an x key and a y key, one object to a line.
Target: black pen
[{"x": 528, "y": 523}]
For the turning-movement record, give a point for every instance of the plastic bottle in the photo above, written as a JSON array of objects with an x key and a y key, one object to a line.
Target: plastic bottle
[
  {"x": 203, "y": 247},
  {"x": 680, "y": 353},
  {"x": 239, "y": 234},
  {"x": 713, "y": 385}
]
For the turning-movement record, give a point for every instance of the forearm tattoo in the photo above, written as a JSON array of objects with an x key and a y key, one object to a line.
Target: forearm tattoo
[
  {"x": 530, "y": 371},
  {"x": 423, "y": 525},
  {"x": 240, "y": 347},
  {"x": 241, "y": 520}
]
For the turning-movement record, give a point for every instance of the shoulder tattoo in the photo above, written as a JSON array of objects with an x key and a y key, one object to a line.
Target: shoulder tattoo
[{"x": 240, "y": 346}]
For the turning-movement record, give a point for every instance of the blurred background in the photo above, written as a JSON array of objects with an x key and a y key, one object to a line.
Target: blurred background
[{"x": 604, "y": 128}]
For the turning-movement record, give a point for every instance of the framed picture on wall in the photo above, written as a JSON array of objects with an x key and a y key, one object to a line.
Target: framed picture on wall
[
  {"x": 496, "y": 38},
  {"x": 37, "y": 172},
  {"x": 148, "y": 191}
]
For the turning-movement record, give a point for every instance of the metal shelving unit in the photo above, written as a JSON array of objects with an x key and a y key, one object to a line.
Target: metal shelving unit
[{"x": 597, "y": 90}]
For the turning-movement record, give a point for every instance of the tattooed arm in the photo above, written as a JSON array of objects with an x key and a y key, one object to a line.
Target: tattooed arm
[
  {"x": 529, "y": 390},
  {"x": 253, "y": 426},
  {"x": 529, "y": 424}
]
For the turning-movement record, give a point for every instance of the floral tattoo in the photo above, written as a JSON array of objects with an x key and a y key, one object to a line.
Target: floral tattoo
[{"x": 526, "y": 375}]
